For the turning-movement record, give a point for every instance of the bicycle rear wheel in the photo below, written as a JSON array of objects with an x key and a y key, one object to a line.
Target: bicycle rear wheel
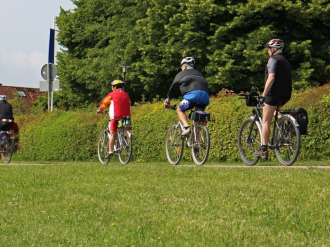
[
  {"x": 249, "y": 141},
  {"x": 8, "y": 150},
  {"x": 200, "y": 144},
  {"x": 103, "y": 147},
  {"x": 287, "y": 141},
  {"x": 174, "y": 145},
  {"x": 125, "y": 152}
]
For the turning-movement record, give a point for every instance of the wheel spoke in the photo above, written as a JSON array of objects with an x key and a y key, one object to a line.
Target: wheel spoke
[
  {"x": 287, "y": 139},
  {"x": 201, "y": 146},
  {"x": 249, "y": 141},
  {"x": 103, "y": 147},
  {"x": 125, "y": 152},
  {"x": 174, "y": 145}
]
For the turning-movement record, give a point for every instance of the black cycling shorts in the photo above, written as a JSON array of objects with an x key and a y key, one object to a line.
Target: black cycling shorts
[
  {"x": 275, "y": 100},
  {"x": 5, "y": 126}
]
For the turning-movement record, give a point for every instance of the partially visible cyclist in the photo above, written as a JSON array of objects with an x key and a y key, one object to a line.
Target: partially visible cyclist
[
  {"x": 194, "y": 89},
  {"x": 119, "y": 105},
  {"x": 6, "y": 114},
  {"x": 278, "y": 87}
]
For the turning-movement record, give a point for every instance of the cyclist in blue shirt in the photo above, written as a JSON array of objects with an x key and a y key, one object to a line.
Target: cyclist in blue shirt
[{"x": 194, "y": 89}]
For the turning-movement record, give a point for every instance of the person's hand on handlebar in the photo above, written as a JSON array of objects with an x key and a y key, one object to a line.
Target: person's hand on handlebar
[
  {"x": 262, "y": 100},
  {"x": 98, "y": 111},
  {"x": 167, "y": 104}
]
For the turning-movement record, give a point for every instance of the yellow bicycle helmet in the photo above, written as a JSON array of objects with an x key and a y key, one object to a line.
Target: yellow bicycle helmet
[{"x": 116, "y": 82}]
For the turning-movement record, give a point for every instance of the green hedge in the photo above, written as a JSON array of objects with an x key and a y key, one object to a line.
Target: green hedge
[{"x": 73, "y": 135}]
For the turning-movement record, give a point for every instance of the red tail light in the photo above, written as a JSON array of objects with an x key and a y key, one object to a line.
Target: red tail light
[
  {"x": 128, "y": 127},
  {"x": 205, "y": 122}
]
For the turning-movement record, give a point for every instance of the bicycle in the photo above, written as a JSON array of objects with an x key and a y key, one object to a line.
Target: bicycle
[
  {"x": 198, "y": 140},
  {"x": 6, "y": 146},
  {"x": 285, "y": 141},
  {"x": 123, "y": 143}
]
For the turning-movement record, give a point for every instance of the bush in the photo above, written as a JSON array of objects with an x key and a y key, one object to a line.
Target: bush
[
  {"x": 73, "y": 135},
  {"x": 65, "y": 136}
]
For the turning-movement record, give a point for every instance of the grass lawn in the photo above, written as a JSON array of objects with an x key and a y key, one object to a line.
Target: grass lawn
[{"x": 89, "y": 204}]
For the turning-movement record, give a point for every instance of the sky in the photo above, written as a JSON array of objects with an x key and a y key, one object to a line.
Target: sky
[{"x": 24, "y": 39}]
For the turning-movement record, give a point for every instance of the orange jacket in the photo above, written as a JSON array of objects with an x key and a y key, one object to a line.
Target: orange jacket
[{"x": 119, "y": 104}]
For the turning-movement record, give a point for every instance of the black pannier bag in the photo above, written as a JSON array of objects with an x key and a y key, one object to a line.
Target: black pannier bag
[
  {"x": 302, "y": 119},
  {"x": 250, "y": 100},
  {"x": 199, "y": 116}
]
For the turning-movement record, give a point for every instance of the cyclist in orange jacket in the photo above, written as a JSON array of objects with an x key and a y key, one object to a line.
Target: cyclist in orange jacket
[{"x": 119, "y": 105}]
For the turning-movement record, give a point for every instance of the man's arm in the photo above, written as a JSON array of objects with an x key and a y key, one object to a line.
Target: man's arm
[
  {"x": 269, "y": 84},
  {"x": 271, "y": 66},
  {"x": 105, "y": 103}
]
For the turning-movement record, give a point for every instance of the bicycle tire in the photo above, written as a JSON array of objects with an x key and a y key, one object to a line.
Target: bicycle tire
[
  {"x": 200, "y": 139},
  {"x": 103, "y": 147},
  {"x": 8, "y": 150},
  {"x": 249, "y": 142},
  {"x": 125, "y": 152},
  {"x": 287, "y": 141},
  {"x": 174, "y": 145}
]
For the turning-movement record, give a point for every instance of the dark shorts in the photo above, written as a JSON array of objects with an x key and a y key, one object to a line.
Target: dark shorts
[
  {"x": 188, "y": 105},
  {"x": 275, "y": 100},
  {"x": 5, "y": 126}
]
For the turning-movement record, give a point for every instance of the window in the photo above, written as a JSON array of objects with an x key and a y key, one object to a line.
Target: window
[{"x": 21, "y": 93}]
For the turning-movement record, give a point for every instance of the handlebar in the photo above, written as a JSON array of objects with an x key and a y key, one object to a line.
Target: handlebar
[
  {"x": 257, "y": 97},
  {"x": 102, "y": 112}
]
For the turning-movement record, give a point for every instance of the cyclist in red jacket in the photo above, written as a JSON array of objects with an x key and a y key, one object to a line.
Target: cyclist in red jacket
[{"x": 119, "y": 105}]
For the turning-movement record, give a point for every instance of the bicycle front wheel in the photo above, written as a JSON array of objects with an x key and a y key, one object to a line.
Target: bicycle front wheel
[
  {"x": 125, "y": 152},
  {"x": 174, "y": 145},
  {"x": 8, "y": 150},
  {"x": 287, "y": 141},
  {"x": 103, "y": 147},
  {"x": 200, "y": 144},
  {"x": 249, "y": 141}
]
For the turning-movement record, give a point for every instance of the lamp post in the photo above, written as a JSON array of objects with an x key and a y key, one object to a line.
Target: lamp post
[{"x": 124, "y": 65}]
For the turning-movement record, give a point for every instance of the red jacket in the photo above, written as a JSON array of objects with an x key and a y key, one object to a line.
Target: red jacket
[{"x": 119, "y": 102}]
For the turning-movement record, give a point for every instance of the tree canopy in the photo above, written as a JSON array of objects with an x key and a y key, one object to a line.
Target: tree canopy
[{"x": 225, "y": 37}]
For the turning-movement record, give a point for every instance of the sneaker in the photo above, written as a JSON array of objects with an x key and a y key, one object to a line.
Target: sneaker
[
  {"x": 186, "y": 132},
  {"x": 261, "y": 154},
  {"x": 109, "y": 156}
]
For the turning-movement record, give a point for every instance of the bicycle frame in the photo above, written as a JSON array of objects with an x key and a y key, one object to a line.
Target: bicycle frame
[
  {"x": 284, "y": 141},
  {"x": 122, "y": 147},
  {"x": 120, "y": 138},
  {"x": 257, "y": 118},
  {"x": 190, "y": 144}
]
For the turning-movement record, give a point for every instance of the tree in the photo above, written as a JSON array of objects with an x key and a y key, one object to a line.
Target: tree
[{"x": 226, "y": 38}]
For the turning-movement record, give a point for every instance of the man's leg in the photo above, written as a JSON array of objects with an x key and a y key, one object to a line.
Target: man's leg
[
  {"x": 268, "y": 112},
  {"x": 113, "y": 136},
  {"x": 113, "y": 126},
  {"x": 182, "y": 116},
  {"x": 180, "y": 110}
]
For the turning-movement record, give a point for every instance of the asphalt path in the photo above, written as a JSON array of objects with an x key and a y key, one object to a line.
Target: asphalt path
[{"x": 209, "y": 166}]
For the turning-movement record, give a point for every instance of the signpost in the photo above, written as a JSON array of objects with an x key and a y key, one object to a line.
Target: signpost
[{"x": 49, "y": 72}]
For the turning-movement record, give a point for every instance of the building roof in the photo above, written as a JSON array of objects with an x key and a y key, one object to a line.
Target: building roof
[{"x": 27, "y": 94}]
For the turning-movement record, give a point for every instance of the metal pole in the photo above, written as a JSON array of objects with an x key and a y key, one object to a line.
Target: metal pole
[
  {"x": 52, "y": 104},
  {"x": 48, "y": 86}
]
